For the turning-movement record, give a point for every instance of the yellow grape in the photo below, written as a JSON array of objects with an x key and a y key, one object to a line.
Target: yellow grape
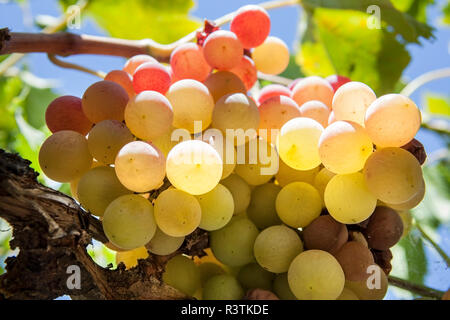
[
  {"x": 316, "y": 275},
  {"x": 392, "y": 120},
  {"x": 351, "y": 101},
  {"x": 177, "y": 213},
  {"x": 107, "y": 138},
  {"x": 262, "y": 206},
  {"x": 240, "y": 191},
  {"x": 98, "y": 187},
  {"x": 316, "y": 110},
  {"x": 287, "y": 174},
  {"x": 271, "y": 57},
  {"x": 393, "y": 175},
  {"x": 191, "y": 101},
  {"x": 298, "y": 204},
  {"x": 344, "y": 147},
  {"x": 182, "y": 274},
  {"x": 64, "y": 156},
  {"x": 194, "y": 167},
  {"x": 128, "y": 222},
  {"x": 226, "y": 151},
  {"x": 411, "y": 203},
  {"x": 348, "y": 199},
  {"x": 74, "y": 183},
  {"x": 298, "y": 141},
  {"x": 163, "y": 244},
  {"x": 221, "y": 83},
  {"x": 347, "y": 294},
  {"x": 140, "y": 167},
  {"x": 217, "y": 208},
  {"x": 130, "y": 258},
  {"x": 321, "y": 180}
]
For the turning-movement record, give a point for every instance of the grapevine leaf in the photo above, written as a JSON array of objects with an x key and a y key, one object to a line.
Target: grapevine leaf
[{"x": 437, "y": 105}]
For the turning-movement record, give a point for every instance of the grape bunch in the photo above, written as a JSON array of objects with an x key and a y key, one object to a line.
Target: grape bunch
[{"x": 301, "y": 188}]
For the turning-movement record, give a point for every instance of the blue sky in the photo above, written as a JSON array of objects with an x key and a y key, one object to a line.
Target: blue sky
[{"x": 432, "y": 55}]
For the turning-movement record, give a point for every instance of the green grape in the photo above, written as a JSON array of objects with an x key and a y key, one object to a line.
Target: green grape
[
  {"x": 163, "y": 244},
  {"x": 209, "y": 270},
  {"x": 286, "y": 174},
  {"x": 182, "y": 274},
  {"x": 140, "y": 166},
  {"x": 194, "y": 167},
  {"x": 298, "y": 204},
  {"x": 128, "y": 222},
  {"x": 348, "y": 199},
  {"x": 298, "y": 141},
  {"x": 64, "y": 156},
  {"x": 97, "y": 188},
  {"x": 393, "y": 175},
  {"x": 252, "y": 276},
  {"x": 233, "y": 244},
  {"x": 177, "y": 213},
  {"x": 262, "y": 206},
  {"x": 347, "y": 294},
  {"x": 374, "y": 287},
  {"x": 130, "y": 258},
  {"x": 316, "y": 275},
  {"x": 240, "y": 191},
  {"x": 222, "y": 287},
  {"x": 107, "y": 138},
  {"x": 281, "y": 287},
  {"x": 276, "y": 247},
  {"x": 217, "y": 208}
]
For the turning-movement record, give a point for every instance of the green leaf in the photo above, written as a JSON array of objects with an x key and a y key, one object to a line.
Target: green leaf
[
  {"x": 437, "y": 105},
  {"x": 35, "y": 105},
  {"x": 293, "y": 70},
  {"x": 402, "y": 23},
  {"x": 415, "y": 8},
  {"x": 446, "y": 12}
]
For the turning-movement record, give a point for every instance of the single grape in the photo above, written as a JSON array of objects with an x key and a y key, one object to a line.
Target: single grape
[
  {"x": 262, "y": 206},
  {"x": 107, "y": 138},
  {"x": 222, "y": 287},
  {"x": 355, "y": 259},
  {"x": 374, "y": 287},
  {"x": 276, "y": 247},
  {"x": 134, "y": 62},
  {"x": 337, "y": 81},
  {"x": 411, "y": 203},
  {"x": 64, "y": 156},
  {"x": 140, "y": 167},
  {"x": 316, "y": 275},
  {"x": 104, "y": 100},
  {"x": 74, "y": 183},
  {"x": 281, "y": 287},
  {"x": 66, "y": 113},
  {"x": 123, "y": 79},
  {"x": 348, "y": 199},
  {"x": 151, "y": 76},
  {"x": 316, "y": 110},
  {"x": 298, "y": 204},
  {"x": 222, "y": 50},
  {"x": 385, "y": 228},
  {"x": 251, "y": 24},
  {"x": 240, "y": 191},
  {"x": 130, "y": 258},
  {"x": 128, "y": 222},
  {"x": 347, "y": 294},
  {"x": 252, "y": 276},
  {"x": 182, "y": 274},
  {"x": 271, "y": 57},
  {"x": 286, "y": 174},
  {"x": 326, "y": 234},
  {"x": 222, "y": 83},
  {"x": 163, "y": 244},
  {"x": 273, "y": 90},
  {"x": 187, "y": 62},
  {"x": 246, "y": 71},
  {"x": 313, "y": 88},
  {"x": 217, "y": 208}
]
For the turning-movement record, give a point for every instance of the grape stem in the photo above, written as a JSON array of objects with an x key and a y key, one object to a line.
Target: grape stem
[
  {"x": 434, "y": 244},
  {"x": 423, "y": 79},
  {"x": 421, "y": 290}
]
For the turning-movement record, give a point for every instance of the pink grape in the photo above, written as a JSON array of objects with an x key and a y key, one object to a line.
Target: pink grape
[
  {"x": 273, "y": 90},
  {"x": 122, "y": 78},
  {"x": 187, "y": 62},
  {"x": 313, "y": 88},
  {"x": 134, "y": 62},
  {"x": 336, "y": 81},
  {"x": 246, "y": 71},
  {"x": 251, "y": 24},
  {"x": 223, "y": 50},
  {"x": 151, "y": 76},
  {"x": 316, "y": 110}
]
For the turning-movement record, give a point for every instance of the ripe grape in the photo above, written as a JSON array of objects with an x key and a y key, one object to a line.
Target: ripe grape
[
  {"x": 163, "y": 244},
  {"x": 273, "y": 90},
  {"x": 411, "y": 203},
  {"x": 354, "y": 259},
  {"x": 298, "y": 141},
  {"x": 326, "y": 234},
  {"x": 239, "y": 113},
  {"x": 217, "y": 208},
  {"x": 107, "y": 138},
  {"x": 271, "y": 57},
  {"x": 140, "y": 167},
  {"x": 351, "y": 101},
  {"x": 337, "y": 81},
  {"x": 97, "y": 188},
  {"x": 347, "y": 294},
  {"x": 344, "y": 147},
  {"x": 240, "y": 191},
  {"x": 274, "y": 113},
  {"x": 182, "y": 274},
  {"x": 122, "y": 78},
  {"x": 316, "y": 275},
  {"x": 298, "y": 204},
  {"x": 262, "y": 206},
  {"x": 149, "y": 115},
  {"x": 187, "y": 62},
  {"x": 222, "y": 50},
  {"x": 252, "y": 276},
  {"x": 194, "y": 167},
  {"x": 393, "y": 175},
  {"x": 321, "y": 180},
  {"x": 348, "y": 199},
  {"x": 128, "y": 222},
  {"x": 191, "y": 101},
  {"x": 276, "y": 247},
  {"x": 233, "y": 244},
  {"x": 151, "y": 76},
  {"x": 222, "y": 83},
  {"x": 74, "y": 183},
  {"x": 177, "y": 213},
  {"x": 251, "y": 24},
  {"x": 64, "y": 156},
  {"x": 287, "y": 174},
  {"x": 316, "y": 110},
  {"x": 370, "y": 289},
  {"x": 222, "y": 287},
  {"x": 246, "y": 71},
  {"x": 66, "y": 113},
  {"x": 165, "y": 142},
  {"x": 385, "y": 229},
  {"x": 104, "y": 100},
  {"x": 313, "y": 88},
  {"x": 134, "y": 62},
  {"x": 226, "y": 151},
  {"x": 130, "y": 258},
  {"x": 392, "y": 120},
  {"x": 281, "y": 287}
]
